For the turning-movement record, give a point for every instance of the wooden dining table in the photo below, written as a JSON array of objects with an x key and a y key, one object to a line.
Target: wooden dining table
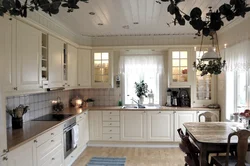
[{"x": 212, "y": 137}]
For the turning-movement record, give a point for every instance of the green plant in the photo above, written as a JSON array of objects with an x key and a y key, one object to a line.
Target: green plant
[
  {"x": 213, "y": 67},
  {"x": 141, "y": 89}
]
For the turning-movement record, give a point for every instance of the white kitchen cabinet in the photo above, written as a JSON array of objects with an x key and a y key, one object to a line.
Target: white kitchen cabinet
[
  {"x": 181, "y": 117},
  {"x": 84, "y": 68},
  {"x": 3, "y": 160},
  {"x": 24, "y": 155},
  {"x": 102, "y": 68},
  {"x": 3, "y": 38},
  {"x": 180, "y": 68},
  {"x": 83, "y": 130},
  {"x": 72, "y": 66},
  {"x": 133, "y": 125},
  {"x": 28, "y": 50},
  {"x": 95, "y": 125},
  {"x": 56, "y": 47},
  {"x": 160, "y": 125},
  {"x": 7, "y": 47}
]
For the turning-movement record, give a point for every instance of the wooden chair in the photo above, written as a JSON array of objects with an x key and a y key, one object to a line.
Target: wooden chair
[
  {"x": 192, "y": 152},
  {"x": 209, "y": 117},
  {"x": 242, "y": 148}
]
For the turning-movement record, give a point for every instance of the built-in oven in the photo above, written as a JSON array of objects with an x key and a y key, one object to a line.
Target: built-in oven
[{"x": 69, "y": 139}]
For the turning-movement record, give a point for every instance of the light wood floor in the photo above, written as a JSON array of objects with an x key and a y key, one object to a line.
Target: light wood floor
[{"x": 135, "y": 156}]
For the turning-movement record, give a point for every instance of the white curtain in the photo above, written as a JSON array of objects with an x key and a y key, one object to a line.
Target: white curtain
[
  {"x": 136, "y": 68},
  {"x": 238, "y": 57},
  {"x": 138, "y": 63}
]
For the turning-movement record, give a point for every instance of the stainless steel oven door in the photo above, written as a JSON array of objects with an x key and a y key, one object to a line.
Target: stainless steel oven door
[{"x": 68, "y": 140}]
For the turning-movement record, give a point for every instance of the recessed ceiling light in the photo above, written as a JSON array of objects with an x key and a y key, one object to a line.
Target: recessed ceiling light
[
  {"x": 136, "y": 23},
  {"x": 125, "y": 26},
  {"x": 92, "y": 13},
  {"x": 100, "y": 24}
]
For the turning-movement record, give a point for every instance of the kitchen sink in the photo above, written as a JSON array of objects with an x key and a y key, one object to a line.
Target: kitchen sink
[{"x": 144, "y": 107}]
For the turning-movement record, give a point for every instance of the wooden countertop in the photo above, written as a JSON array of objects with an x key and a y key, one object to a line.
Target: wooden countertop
[
  {"x": 161, "y": 108},
  {"x": 33, "y": 129}
]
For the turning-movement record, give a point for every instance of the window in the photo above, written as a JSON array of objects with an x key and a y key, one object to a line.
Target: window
[
  {"x": 138, "y": 68},
  {"x": 237, "y": 95}
]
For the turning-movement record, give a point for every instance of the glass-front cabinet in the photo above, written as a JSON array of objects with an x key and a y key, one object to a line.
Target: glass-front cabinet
[
  {"x": 102, "y": 69},
  {"x": 179, "y": 65},
  {"x": 44, "y": 59},
  {"x": 204, "y": 87}
]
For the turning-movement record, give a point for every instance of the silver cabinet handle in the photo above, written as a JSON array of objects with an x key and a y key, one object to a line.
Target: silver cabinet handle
[
  {"x": 159, "y": 112},
  {"x": 15, "y": 88},
  {"x": 5, "y": 158},
  {"x": 110, "y": 124},
  {"x": 110, "y": 137},
  {"x": 110, "y": 112},
  {"x": 52, "y": 133},
  {"x": 110, "y": 130},
  {"x": 35, "y": 141},
  {"x": 52, "y": 140},
  {"x": 53, "y": 159},
  {"x": 79, "y": 84}
]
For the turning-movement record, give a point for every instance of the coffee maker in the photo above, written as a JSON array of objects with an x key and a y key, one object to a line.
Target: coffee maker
[{"x": 174, "y": 99}]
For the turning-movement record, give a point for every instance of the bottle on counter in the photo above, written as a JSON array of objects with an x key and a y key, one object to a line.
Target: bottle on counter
[
  {"x": 120, "y": 101},
  {"x": 151, "y": 97}
]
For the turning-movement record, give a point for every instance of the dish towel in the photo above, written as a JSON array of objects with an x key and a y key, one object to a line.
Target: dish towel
[{"x": 75, "y": 136}]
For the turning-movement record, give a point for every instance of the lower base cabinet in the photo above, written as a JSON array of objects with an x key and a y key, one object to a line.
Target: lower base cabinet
[
  {"x": 3, "y": 160},
  {"x": 160, "y": 125},
  {"x": 133, "y": 125},
  {"x": 24, "y": 155}
]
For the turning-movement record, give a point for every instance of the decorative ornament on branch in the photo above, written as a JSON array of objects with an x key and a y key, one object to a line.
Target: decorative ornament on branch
[
  {"x": 16, "y": 8},
  {"x": 213, "y": 21}
]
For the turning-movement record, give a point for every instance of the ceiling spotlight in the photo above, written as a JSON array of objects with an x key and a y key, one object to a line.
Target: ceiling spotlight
[
  {"x": 125, "y": 26},
  {"x": 136, "y": 23},
  {"x": 100, "y": 24},
  {"x": 92, "y": 13}
]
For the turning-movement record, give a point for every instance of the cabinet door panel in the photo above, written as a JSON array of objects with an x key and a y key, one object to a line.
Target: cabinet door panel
[
  {"x": 22, "y": 156},
  {"x": 72, "y": 66},
  {"x": 84, "y": 68},
  {"x": 160, "y": 126},
  {"x": 183, "y": 117},
  {"x": 28, "y": 56},
  {"x": 55, "y": 62},
  {"x": 85, "y": 128},
  {"x": 133, "y": 125},
  {"x": 95, "y": 125},
  {"x": 7, "y": 47}
]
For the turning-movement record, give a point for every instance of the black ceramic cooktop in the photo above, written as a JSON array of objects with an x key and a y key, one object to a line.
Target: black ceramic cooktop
[{"x": 52, "y": 117}]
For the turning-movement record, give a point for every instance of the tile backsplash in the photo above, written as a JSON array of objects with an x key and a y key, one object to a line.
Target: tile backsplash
[
  {"x": 102, "y": 97},
  {"x": 39, "y": 104}
]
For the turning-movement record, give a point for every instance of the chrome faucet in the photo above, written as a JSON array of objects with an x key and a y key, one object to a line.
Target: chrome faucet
[{"x": 138, "y": 104}]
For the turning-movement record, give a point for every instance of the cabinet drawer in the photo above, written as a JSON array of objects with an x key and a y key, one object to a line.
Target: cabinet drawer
[
  {"x": 106, "y": 124},
  {"x": 48, "y": 146},
  {"x": 112, "y": 130},
  {"x": 111, "y": 118},
  {"x": 111, "y": 137},
  {"x": 105, "y": 113},
  {"x": 49, "y": 135},
  {"x": 55, "y": 158}
]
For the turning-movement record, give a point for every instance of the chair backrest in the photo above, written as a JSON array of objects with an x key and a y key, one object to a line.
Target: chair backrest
[
  {"x": 209, "y": 117},
  {"x": 242, "y": 146},
  {"x": 187, "y": 147}
]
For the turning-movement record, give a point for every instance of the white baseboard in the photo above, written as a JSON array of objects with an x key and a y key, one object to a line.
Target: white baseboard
[{"x": 133, "y": 144}]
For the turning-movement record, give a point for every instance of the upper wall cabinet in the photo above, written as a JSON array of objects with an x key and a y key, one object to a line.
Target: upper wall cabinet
[
  {"x": 56, "y": 52},
  {"x": 71, "y": 67},
  {"x": 180, "y": 67},
  {"x": 28, "y": 56},
  {"x": 102, "y": 69},
  {"x": 7, "y": 47},
  {"x": 84, "y": 68}
]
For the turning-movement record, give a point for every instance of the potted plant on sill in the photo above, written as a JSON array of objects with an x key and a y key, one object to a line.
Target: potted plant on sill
[{"x": 141, "y": 90}]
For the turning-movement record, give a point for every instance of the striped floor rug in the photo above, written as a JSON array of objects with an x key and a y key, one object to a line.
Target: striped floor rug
[{"x": 107, "y": 161}]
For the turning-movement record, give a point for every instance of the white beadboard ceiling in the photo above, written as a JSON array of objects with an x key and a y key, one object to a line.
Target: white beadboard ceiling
[{"x": 114, "y": 14}]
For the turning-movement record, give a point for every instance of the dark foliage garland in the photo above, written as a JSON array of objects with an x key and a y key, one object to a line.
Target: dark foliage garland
[
  {"x": 213, "y": 21},
  {"x": 16, "y": 8}
]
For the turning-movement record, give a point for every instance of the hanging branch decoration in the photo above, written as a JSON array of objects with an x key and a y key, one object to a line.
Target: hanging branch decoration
[
  {"x": 213, "y": 20},
  {"x": 16, "y": 8}
]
